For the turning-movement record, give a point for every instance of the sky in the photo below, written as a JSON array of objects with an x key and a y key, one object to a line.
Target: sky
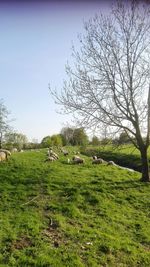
[{"x": 35, "y": 44}]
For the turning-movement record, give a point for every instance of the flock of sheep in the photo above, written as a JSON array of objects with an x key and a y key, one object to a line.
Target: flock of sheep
[
  {"x": 76, "y": 159},
  {"x": 52, "y": 156}
]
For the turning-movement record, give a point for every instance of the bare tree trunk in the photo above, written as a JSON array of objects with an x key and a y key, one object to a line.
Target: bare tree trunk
[{"x": 145, "y": 168}]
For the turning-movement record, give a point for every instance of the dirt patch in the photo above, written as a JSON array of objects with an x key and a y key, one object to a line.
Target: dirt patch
[
  {"x": 54, "y": 235},
  {"x": 21, "y": 243}
]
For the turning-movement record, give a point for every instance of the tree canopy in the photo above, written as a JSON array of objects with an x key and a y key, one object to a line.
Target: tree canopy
[
  {"x": 74, "y": 136},
  {"x": 17, "y": 140}
]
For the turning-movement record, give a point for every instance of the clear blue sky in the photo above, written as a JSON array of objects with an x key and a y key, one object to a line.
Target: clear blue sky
[{"x": 35, "y": 44}]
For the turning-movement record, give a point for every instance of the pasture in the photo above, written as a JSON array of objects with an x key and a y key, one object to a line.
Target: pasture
[{"x": 55, "y": 214}]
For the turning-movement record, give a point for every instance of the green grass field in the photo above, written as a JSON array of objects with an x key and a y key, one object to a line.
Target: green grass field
[{"x": 58, "y": 214}]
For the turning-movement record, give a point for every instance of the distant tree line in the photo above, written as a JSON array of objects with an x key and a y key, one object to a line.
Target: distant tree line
[
  {"x": 68, "y": 136},
  {"x": 71, "y": 136}
]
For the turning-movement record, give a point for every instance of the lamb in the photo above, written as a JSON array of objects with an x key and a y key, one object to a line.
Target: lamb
[{"x": 98, "y": 161}]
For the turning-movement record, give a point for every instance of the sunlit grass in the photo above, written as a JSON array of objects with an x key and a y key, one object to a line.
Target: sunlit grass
[{"x": 58, "y": 214}]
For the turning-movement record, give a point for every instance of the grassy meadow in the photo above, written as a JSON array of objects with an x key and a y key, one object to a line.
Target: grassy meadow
[{"x": 63, "y": 215}]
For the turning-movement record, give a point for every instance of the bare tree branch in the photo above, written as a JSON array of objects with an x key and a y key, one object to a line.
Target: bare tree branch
[{"x": 111, "y": 74}]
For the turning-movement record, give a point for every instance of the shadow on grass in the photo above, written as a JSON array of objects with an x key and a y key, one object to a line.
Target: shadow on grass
[
  {"x": 128, "y": 184},
  {"x": 122, "y": 159}
]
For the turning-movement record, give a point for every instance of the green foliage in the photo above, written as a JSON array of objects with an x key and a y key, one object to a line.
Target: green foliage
[
  {"x": 58, "y": 214},
  {"x": 123, "y": 138},
  {"x": 56, "y": 140},
  {"x": 46, "y": 141},
  {"x": 80, "y": 138},
  {"x": 17, "y": 140},
  {"x": 95, "y": 141},
  {"x": 74, "y": 136},
  {"x": 106, "y": 141},
  {"x": 67, "y": 135}
]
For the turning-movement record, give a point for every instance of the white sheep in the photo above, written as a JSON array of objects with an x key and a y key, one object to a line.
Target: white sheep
[
  {"x": 65, "y": 152},
  {"x": 77, "y": 160},
  {"x": 3, "y": 156},
  {"x": 54, "y": 155},
  {"x": 14, "y": 149},
  {"x": 50, "y": 159},
  {"x": 51, "y": 153},
  {"x": 98, "y": 161},
  {"x": 75, "y": 157},
  {"x": 7, "y": 153}
]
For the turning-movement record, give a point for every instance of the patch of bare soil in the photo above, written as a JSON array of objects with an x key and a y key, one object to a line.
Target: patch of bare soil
[
  {"x": 54, "y": 235},
  {"x": 21, "y": 243}
]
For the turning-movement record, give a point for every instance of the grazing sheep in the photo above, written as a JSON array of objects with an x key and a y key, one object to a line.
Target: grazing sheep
[
  {"x": 94, "y": 157},
  {"x": 98, "y": 161},
  {"x": 75, "y": 157},
  {"x": 78, "y": 160},
  {"x": 14, "y": 149},
  {"x": 54, "y": 155},
  {"x": 65, "y": 152},
  {"x": 50, "y": 159},
  {"x": 7, "y": 152},
  {"x": 51, "y": 153},
  {"x": 3, "y": 156}
]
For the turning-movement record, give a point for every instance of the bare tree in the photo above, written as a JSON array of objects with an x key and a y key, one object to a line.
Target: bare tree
[
  {"x": 109, "y": 82},
  {"x": 4, "y": 122}
]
